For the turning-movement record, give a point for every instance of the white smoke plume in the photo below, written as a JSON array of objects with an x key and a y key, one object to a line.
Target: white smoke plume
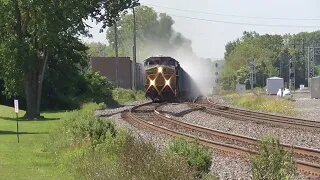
[{"x": 200, "y": 70}]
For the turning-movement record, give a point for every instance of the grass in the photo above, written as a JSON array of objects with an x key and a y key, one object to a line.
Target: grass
[
  {"x": 261, "y": 102},
  {"x": 27, "y": 160}
]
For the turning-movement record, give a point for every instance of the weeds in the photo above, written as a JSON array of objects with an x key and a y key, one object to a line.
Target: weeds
[
  {"x": 90, "y": 148},
  {"x": 123, "y": 96},
  {"x": 258, "y": 101},
  {"x": 197, "y": 156},
  {"x": 273, "y": 162}
]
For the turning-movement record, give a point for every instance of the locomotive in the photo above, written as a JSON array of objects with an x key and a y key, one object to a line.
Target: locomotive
[{"x": 167, "y": 81}]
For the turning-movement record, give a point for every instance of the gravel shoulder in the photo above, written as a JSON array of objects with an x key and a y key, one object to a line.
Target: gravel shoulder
[{"x": 307, "y": 108}]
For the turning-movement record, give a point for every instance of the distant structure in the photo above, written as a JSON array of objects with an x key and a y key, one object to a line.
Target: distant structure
[
  {"x": 274, "y": 84},
  {"x": 315, "y": 87},
  {"x": 118, "y": 71},
  {"x": 217, "y": 69}
]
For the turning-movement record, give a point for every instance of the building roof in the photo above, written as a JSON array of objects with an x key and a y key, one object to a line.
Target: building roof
[{"x": 275, "y": 78}]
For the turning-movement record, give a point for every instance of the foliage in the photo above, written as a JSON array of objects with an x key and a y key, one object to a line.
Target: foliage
[
  {"x": 32, "y": 32},
  {"x": 270, "y": 52},
  {"x": 98, "y": 88},
  {"x": 116, "y": 155},
  {"x": 97, "y": 49},
  {"x": 155, "y": 35},
  {"x": 197, "y": 156},
  {"x": 317, "y": 70},
  {"x": 124, "y": 96},
  {"x": 259, "y": 101},
  {"x": 273, "y": 162},
  {"x": 263, "y": 48}
]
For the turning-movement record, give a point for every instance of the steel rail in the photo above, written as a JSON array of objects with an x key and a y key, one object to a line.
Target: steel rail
[
  {"x": 240, "y": 114},
  {"x": 274, "y": 116},
  {"x": 306, "y": 168}
]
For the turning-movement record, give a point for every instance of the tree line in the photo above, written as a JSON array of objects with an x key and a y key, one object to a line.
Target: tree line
[{"x": 272, "y": 54}]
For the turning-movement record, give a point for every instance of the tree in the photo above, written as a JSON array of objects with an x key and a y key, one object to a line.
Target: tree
[
  {"x": 97, "y": 49},
  {"x": 31, "y": 30},
  {"x": 264, "y": 49},
  {"x": 155, "y": 35}
]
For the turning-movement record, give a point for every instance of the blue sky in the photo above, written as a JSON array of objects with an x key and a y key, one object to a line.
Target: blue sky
[{"x": 209, "y": 38}]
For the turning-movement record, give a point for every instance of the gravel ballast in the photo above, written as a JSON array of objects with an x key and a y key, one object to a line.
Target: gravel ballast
[
  {"x": 291, "y": 136},
  {"x": 223, "y": 166}
]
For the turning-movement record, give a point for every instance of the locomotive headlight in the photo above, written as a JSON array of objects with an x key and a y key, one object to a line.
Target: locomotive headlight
[
  {"x": 152, "y": 82},
  {"x": 168, "y": 82},
  {"x": 159, "y": 69}
]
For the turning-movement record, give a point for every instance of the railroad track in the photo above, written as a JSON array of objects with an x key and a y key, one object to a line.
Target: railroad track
[
  {"x": 240, "y": 114},
  {"x": 146, "y": 115}
]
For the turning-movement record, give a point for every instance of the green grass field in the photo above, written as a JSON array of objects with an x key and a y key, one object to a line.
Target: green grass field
[{"x": 27, "y": 160}]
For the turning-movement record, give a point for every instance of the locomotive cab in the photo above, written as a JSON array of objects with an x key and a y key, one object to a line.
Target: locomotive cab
[{"x": 161, "y": 78}]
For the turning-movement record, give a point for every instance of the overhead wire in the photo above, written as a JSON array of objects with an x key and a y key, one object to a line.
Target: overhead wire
[
  {"x": 236, "y": 16},
  {"x": 240, "y": 23}
]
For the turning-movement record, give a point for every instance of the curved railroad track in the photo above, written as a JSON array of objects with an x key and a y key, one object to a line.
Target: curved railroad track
[
  {"x": 240, "y": 114},
  {"x": 146, "y": 115}
]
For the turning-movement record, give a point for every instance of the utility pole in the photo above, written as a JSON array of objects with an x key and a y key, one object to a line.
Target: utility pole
[
  {"x": 292, "y": 67},
  {"x": 292, "y": 74},
  {"x": 116, "y": 51},
  {"x": 134, "y": 51},
  {"x": 311, "y": 59},
  {"x": 252, "y": 66},
  {"x": 280, "y": 68}
]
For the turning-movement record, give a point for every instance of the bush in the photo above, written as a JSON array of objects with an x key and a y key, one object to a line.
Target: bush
[
  {"x": 273, "y": 162},
  {"x": 97, "y": 88},
  {"x": 80, "y": 127},
  {"x": 90, "y": 148},
  {"x": 123, "y": 96},
  {"x": 197, "y": 156}
]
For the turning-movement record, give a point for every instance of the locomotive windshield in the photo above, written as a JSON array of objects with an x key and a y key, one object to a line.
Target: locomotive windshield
[{"x": 166, "y": 61}]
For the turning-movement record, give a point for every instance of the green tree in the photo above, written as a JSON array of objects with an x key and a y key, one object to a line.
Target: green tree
[
  {"x": 264, "y": 49},
  {"x": 155, "y": 35},
  {"x": 31, "y": 30},
  {"x": 97, "y": 49}
]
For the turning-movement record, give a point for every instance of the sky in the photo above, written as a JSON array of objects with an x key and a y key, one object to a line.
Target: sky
[{"x": 211, "y": 24}]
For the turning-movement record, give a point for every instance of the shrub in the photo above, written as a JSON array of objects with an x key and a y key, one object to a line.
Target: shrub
[
  {"x": 123, "y": 96},
  {"x": 83, "y": 125},
  {"x": 273, "y": 162},
  {"x": 141, "y": 160},
  {"x": 80, "y": 127},
  {"x": 197, "y": 156},
  {"x": 96, "y": 88},
  {"x": 90, "y": 148}
]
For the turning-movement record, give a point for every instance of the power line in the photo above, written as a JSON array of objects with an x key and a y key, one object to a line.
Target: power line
[
  {"x": 237, "y": 16},
  {"x": 239, "y": 23}
]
